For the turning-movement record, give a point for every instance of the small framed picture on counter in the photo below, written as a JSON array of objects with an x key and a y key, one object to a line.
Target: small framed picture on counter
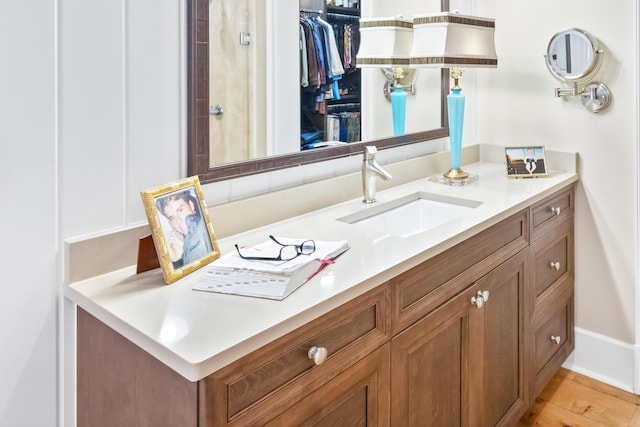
[
  {"x": 525, "y": 162},
  {"x": 180, "y": 226}
]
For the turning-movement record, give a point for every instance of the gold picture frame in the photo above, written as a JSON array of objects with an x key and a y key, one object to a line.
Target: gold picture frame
[
  {"x": 525, "y": 161},
  {"x": 180, "y": 226}
]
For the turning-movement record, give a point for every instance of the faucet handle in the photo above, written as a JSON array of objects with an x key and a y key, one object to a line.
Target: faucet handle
[{"x": 370, "y": 152}]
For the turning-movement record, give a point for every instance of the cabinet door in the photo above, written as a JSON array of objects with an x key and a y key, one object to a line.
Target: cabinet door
[
  {"x": 498, "y": 392},
  {"x": 358, "y": 397},
  {"x": 429, "y": 367},
  {"x": 463, "y": 364}
]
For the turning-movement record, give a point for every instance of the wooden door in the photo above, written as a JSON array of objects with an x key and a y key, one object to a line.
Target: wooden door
[
  {"x": 497, "y": 391},
  {"x": 237, "y": 80}
]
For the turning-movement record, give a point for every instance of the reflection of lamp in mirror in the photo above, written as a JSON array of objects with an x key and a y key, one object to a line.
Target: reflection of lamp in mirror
[
  {"x": 386, "y": 43},
  {"x": 451, "y": 40},
  {"x": 398, "y": 102}
]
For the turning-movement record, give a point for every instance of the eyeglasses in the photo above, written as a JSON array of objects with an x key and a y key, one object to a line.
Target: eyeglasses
[{"x": 287, "y": 252}]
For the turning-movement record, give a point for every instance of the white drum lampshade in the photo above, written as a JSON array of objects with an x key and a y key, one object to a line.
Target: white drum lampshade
[
  {"x": 447, "y": 39},
  {"x": 385, "y": 42}
]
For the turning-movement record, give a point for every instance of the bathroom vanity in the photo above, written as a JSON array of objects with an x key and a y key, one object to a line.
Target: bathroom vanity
[{"x": 463, "y": 324}]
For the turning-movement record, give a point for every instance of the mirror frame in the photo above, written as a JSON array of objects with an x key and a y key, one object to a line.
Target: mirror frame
[{"x": 198, "y": 114}]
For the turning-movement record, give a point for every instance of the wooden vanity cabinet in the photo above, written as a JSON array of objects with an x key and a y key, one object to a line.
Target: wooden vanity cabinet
[
  {"x": 457, "y": 364},
  {"x": 467, "y": 338}
]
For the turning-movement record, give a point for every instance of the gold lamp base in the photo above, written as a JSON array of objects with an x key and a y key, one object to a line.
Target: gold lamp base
[{"x": 457, "y": 174}]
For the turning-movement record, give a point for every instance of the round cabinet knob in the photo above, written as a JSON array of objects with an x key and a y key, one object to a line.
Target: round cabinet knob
[
  {"x": 317, "y": 354},
  {"x": 555, "y": 210},
  {"x": 555, "y": 265},
  {"x": 484, "y": 294},
  {"x": 478, "y": 301},
  {"x": 555, "y": 339}
]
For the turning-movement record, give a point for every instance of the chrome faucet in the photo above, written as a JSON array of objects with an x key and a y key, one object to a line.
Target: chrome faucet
[{"x": 370, "y": 170}]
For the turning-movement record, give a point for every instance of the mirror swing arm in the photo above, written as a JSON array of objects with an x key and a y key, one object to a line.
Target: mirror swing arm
[
  {"x": 563, "y": 50},
  {"x": 595, "y": 97}
]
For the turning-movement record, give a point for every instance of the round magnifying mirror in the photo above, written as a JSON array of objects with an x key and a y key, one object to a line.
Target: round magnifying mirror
[{"x": 573, "y": 56}]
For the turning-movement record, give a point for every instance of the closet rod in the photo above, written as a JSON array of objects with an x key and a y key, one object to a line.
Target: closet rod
[
  {"x": 343, "y": 16},
  {"x": 345, "y": 105},
  {"x": 312, "y": 11}
]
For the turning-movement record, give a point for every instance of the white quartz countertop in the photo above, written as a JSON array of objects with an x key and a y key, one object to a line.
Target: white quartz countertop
[{"x": 197, "y": 333}]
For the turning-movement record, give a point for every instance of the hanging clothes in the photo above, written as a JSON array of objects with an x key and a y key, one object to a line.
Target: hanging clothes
[
  {"x": 335, "y": 69},
  {"x": 311, "y": 52},
  {"x": 327, "y": 52},
  {"x": 319, "y": 50},
  {"x": 351, "y": 43},
  {"x": 304, "y": 61}
]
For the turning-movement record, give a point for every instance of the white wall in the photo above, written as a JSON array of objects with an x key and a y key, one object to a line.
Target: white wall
[
  {"x": 91, "y": 114},
  {"x": 28, "y": 212},
  {"x": 516, "y": 106},
  {"x": 90, "y": 101},
  {"x": 120, "y": 108}
]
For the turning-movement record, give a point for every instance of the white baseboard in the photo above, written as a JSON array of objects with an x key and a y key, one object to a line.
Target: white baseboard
[{"x": 605, "y": 359}]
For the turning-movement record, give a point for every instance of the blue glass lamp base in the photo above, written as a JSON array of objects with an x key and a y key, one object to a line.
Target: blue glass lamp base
[
  {"x": 398, "y": 109},
  {"x": 455, "y": 105}
]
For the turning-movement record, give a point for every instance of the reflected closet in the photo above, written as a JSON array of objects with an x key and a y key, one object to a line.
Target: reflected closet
[{"x": 330, "y": 83}]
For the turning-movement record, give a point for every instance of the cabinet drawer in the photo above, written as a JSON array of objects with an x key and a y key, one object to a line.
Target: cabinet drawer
[
  {"x": 430, "y": 284},
  {"x": 359, "y": 396},
  {"x": 262, "y": 384},
  {"x": 548, "y": 212},
  {"x": 552, "y": 261},
  {"x": 553, "y": 341}
]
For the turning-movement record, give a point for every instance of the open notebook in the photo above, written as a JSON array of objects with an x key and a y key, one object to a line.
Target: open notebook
[{"x": 232, "y": 274}]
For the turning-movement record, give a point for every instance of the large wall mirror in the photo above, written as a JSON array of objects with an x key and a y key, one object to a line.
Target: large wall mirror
[{"x": 239, "y": 53}]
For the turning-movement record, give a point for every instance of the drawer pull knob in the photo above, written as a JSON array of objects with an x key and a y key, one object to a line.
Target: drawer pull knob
[
  {"x": 480, "y": 298},
  {"x": 555, "y": 265},
  {"x": 555, "y": 339},
  {"x": 555, "y": 210},
  {"x": 317, "y": 354}
]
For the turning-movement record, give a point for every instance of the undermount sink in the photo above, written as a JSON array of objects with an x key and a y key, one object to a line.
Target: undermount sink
[{"x": 412, "y": 214}]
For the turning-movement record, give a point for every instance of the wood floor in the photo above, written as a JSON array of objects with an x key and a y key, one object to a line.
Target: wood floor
[{"x": 573, "y": 400}]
